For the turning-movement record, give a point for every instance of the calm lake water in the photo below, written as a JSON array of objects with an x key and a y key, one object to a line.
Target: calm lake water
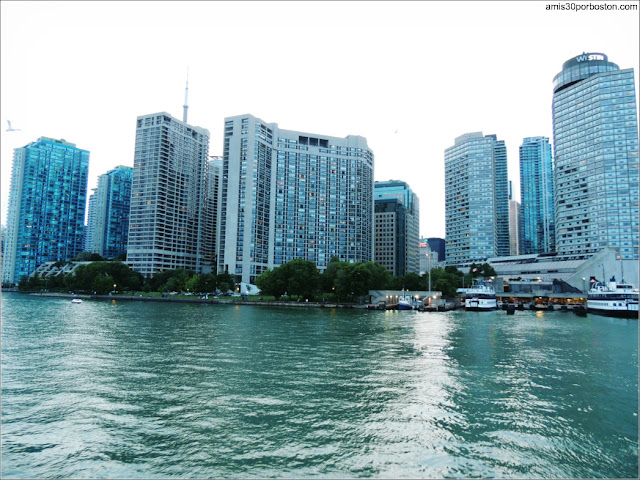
[{"x": 148, "y": 390}]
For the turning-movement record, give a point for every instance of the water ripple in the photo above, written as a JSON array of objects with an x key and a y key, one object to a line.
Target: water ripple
[{"x": 159, "y": 391}]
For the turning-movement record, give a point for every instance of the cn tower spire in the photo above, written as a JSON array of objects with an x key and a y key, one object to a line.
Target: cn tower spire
[{"x": 186, "y": 103}]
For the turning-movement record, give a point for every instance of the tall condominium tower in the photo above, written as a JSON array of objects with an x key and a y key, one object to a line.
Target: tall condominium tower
[
  {"x": 168, "y": 196},
  {"x": 108, "y": 223},
  {"x": 536, "y": 194},
  {"x": 476, "y": 199},
  {"x": 47, "y": 201},
  {"x": 91, "y": 216},
  {"x": 514, "y": 224},
  {"x": 211, "y": 227},
  {"x": 289, "y": 194},
  {"x": 397, "y": 227},
  {"x": 595, "y": 140}
]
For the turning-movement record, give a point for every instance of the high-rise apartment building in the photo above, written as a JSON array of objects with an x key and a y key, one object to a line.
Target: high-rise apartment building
[
  {"x": 595, "y": 140},
  {"x": 91, "y": 215},
  {"x": 501, "y": 195},
  {"x": 536, "y": 195},
  {"x": 211, "y": 227},
  {"x": 288, "y": 194},
  {"x": 47, "y": 202},
  {"x": 108, "y": 222},
  {"x": 168, "y": 196},
  {"x": 397, "y": 227},
  {"x": 514, "y": 223},
  {"x": 476, "y": 199}
]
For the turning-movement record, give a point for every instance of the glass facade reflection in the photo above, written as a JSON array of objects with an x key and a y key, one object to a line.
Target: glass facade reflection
[
  {"x": 595, "y": 128},
  {"x": 47, "y": 205},
  {"x": 536, "y": 195},
  {"x": 108, "y": 224}
]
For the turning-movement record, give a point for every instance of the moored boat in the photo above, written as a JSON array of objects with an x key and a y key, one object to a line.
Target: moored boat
[
  {"x": 613, "y": 299},
  {"x": 405, "y": 303},
  {"x": 480, "y": 297},
  {"x": 76, "y": 300}
]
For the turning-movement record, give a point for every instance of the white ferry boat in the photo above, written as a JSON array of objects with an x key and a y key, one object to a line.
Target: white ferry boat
[
  {"x": 480, "y": 297},
  {"x": 613, "y": 299}
]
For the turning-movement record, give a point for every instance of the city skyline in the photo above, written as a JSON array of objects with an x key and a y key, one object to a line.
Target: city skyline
[{"x": 409, "y": 91}]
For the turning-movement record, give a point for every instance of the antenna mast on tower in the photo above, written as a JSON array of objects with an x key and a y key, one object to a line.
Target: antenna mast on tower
[{"x": 186, "y": 95}]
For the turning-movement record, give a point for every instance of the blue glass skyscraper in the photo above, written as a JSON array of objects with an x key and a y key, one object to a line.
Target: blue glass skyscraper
[
  {"x": 108, "y": 225},
  {"x": 595, "y": 133},
  {"x": 536, "y": 196},
  {"x": 47, "y": 205}
]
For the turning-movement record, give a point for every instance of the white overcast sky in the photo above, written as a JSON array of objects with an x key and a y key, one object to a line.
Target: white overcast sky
[{"x": 430, "y": 71}]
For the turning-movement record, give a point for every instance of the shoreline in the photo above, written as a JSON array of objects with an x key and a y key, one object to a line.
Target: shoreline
[{"x": 217, "y": 301}]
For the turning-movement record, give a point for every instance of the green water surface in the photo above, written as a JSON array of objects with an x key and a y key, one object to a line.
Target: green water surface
[{"x": 150, "y": 390}]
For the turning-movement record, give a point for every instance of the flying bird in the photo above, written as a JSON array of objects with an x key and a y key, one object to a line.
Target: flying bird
[{"x": 12, "y": 129}]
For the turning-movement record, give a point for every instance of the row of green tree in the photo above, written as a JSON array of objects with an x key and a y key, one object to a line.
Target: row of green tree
[
  {"x": 107, "y": 276},
  {"x": 182, "y": 280},
  {"x": 348, "y": 281},
  {"x": 301, "y": 278}
]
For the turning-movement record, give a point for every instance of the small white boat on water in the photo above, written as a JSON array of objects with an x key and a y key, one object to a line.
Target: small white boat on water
[
  {"x": 613, "y": 299},
  {"x": 76, "y": 300},
  {"x": 480, "y": 297},
  {"x": 405, "y": 302}
]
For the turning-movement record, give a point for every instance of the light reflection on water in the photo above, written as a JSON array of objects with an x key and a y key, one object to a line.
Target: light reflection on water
[{"x": 102, "y": 390}]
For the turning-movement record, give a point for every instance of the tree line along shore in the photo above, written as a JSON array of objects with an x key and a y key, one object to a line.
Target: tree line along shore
[{"x": 298, "y": 280}]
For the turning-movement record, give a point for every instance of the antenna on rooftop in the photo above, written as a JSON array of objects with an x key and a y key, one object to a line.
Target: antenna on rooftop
[{"x": 186, "y": 95}]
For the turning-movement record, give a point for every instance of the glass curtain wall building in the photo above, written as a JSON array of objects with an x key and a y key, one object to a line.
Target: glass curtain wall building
[
  {"x": 397, "y": 227},
  {"x": 595, "y": 133},
  {"x": 438, "y": 245},
  {"x": 288, "y": 194},
  {"x": 476, "y": 199},
  {"x": 168, "y": 195},
  {"x": 108, "y": 224},
  {"x": 91, "y": 221},
  {"x": 47, "y": 202},
  {"x": 536, "y": 195}
]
